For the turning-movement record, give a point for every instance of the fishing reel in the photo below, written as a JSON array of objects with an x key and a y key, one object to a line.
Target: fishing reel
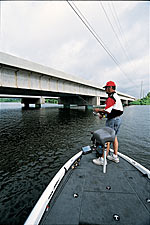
[{"x": 99, "y": 113}]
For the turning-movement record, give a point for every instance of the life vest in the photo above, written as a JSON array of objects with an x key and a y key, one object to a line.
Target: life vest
[{"x": 113, "y": 106}]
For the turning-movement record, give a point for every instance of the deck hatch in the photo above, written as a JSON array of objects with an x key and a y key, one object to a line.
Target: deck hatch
[{"x": 100, "y": 208}]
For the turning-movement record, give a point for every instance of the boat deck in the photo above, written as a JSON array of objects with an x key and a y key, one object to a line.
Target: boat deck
[{"x": 88, "y": 196}]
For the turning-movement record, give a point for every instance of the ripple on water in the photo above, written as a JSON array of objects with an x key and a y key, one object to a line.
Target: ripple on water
[{"x": 36, "y": 143}]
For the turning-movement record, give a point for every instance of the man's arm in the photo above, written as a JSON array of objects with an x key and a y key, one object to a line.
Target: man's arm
[
  {"x": 101, "y": 112},
  {"x": 108, "y": 108}
]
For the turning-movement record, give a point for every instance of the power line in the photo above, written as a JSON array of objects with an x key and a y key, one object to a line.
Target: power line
[
  {"x": 92, "y": 31},
  {"x": 124, "y": 49},
  {"x": 114, "y": 30},
  {"x": 117, "y": 21},
  {"x": 121, "y": 30},
  {"x": 88, "y": 23},
  {"x": 141, "y": 89},
  {"x": 89, "y": 27}
]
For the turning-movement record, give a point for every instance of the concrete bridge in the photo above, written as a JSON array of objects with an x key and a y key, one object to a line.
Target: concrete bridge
[{"x": 24, "y": 78}]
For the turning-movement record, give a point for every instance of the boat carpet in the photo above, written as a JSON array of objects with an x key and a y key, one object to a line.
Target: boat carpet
[{"x": 88, "y": 196}]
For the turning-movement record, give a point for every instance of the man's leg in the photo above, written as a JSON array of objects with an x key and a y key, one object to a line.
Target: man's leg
[
  {"x": 114, "y": 124},
  {"x": 115, "y": 146},
  {"x": 114, "y": 157},
  {"x": 116, "y": 128},
  {"x": 108, "y": 148},
  {"x": 109, "y": 123}
]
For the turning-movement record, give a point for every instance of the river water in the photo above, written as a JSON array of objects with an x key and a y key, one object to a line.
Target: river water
[{"x": 35, "y": 143}]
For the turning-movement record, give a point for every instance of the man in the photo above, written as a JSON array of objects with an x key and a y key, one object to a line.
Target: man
[{"x": 113, "y": 110}]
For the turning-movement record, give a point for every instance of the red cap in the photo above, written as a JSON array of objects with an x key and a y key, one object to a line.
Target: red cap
[{"x": 110, "y": 83}]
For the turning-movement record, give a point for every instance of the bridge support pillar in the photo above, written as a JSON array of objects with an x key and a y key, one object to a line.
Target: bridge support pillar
[
  {"x": 102, "y": 100},
  {"x": 37, "y": 106},
  {"x": 88, "y": 107},
  {"x": 66, "y": 106},
  {"x": 125, "y": 102},
  {"x": 87, "y": 101},
  {"x": 36, "y": 101},
  {"x": 26, "y": 106},
  {"x": 96, "y": 100}
]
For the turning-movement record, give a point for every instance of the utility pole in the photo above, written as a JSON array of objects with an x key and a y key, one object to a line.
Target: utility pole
[{"x": 141, "y": 89}]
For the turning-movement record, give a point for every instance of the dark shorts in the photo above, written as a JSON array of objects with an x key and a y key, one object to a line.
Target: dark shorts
[{"x": 114, "y": 123}]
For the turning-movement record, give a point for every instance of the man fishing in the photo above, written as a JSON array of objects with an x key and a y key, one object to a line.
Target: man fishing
[{"x": 113, "y": 111}]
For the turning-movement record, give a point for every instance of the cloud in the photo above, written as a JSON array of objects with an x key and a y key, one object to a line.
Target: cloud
[{"x": 50, "y": 33}]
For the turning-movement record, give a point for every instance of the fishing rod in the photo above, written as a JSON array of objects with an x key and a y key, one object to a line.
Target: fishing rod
[{"x": 103, "y": 114}]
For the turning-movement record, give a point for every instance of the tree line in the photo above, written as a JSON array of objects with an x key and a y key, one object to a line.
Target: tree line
[{"x": 142, "y": 101}]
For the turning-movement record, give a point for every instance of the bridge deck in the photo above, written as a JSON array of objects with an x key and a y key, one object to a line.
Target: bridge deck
[{"x": 22, "y": 77}]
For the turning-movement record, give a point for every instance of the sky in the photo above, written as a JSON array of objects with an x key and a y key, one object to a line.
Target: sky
[{"x": 50, "y": 33}]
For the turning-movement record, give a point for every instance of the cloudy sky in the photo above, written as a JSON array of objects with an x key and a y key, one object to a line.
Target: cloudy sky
[{"x": 50, "y": 33}]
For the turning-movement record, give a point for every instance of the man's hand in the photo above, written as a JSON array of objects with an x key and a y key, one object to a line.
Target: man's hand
[
  {"x": 100, "y": 112},
  {"x": 97, "y": 110},
  {"x": 100, "y": 116}
]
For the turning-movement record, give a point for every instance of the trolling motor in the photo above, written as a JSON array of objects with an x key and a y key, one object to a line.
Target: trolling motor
[
  {"x": 100, "y": 138},
  {"x": 96, "y": 146}
]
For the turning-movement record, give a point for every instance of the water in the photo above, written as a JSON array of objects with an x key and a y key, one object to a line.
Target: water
[{"x": 35, "y": 144}]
